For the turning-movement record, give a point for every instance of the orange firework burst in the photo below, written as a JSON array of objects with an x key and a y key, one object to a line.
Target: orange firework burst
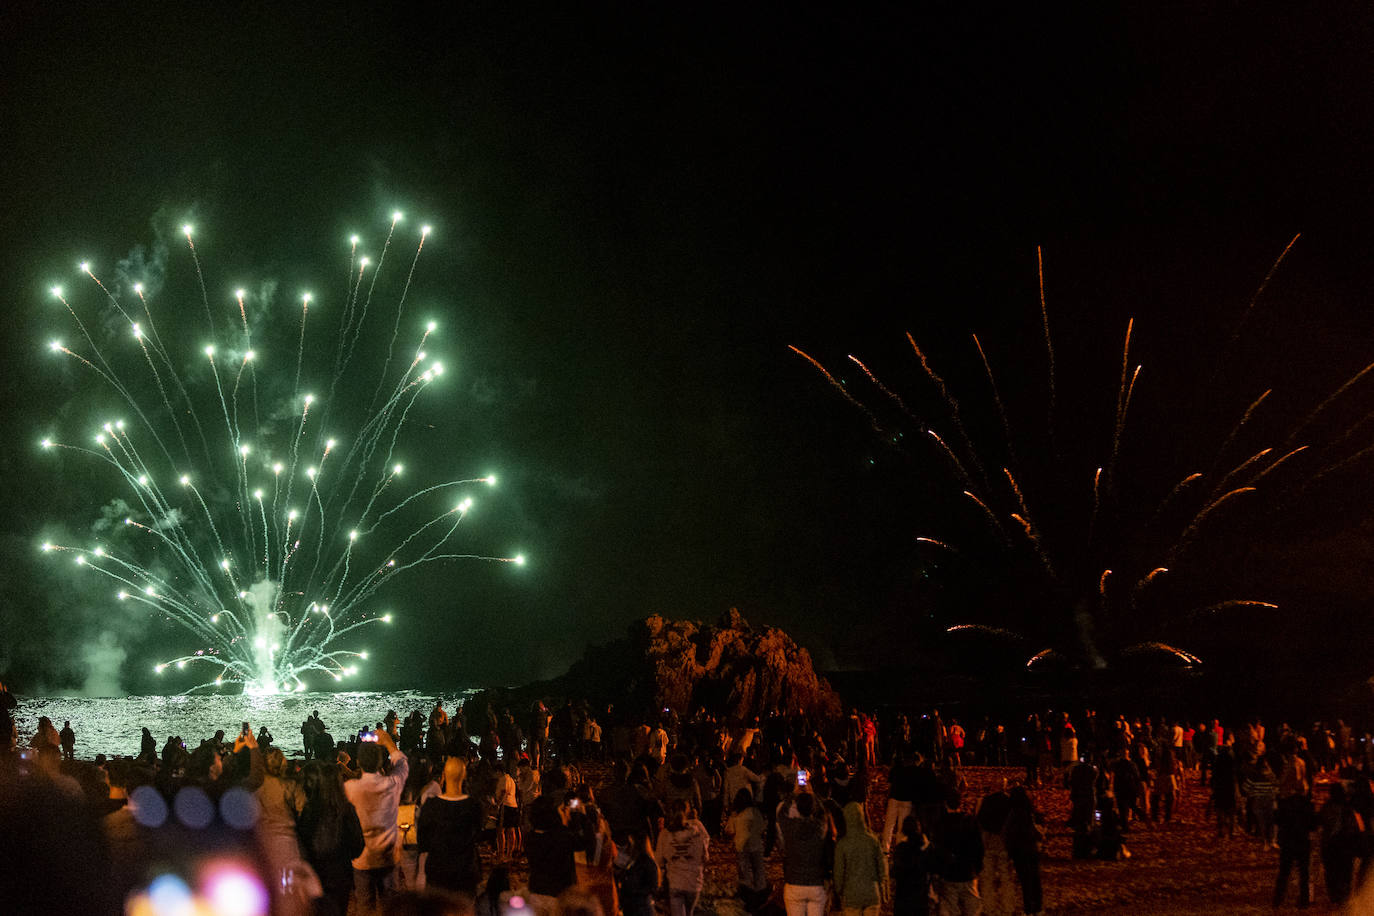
[{"x": 1088, "y": 580}]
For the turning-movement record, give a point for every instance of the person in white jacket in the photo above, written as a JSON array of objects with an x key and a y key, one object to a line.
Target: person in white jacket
[
  {"x": 683, "y": 846},
  {"x": 376, "y": 795}
]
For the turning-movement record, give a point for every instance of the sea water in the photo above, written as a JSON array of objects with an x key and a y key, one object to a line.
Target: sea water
[{"x": 113, "y": 725}]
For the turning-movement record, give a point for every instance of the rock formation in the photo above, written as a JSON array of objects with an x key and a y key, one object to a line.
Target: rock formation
[{"x": 731, "y": 667}]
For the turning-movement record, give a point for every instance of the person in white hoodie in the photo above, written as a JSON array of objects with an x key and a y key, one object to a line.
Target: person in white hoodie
[
  {"x": 683, "y": 847},
  {"x": 376, "y": 795}
]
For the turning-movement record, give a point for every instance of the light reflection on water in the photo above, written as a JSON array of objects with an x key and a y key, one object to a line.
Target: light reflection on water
[{"x": 113, "y": 725}]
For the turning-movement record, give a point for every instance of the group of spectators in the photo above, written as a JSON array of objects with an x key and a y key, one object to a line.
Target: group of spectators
[
  {"x": 1121, "y": 772},
  {"x": 507, "y": 811}
]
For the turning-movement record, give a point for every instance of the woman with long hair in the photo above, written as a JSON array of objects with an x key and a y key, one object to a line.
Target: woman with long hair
[
  {"x": 595, "y": 864},
  {"x": 745, "y": 826},
  {"x": 330, "y": 834},
  {"x": 449, "y": 826},
  {"x": 280, "y": 801},
  {"x": 683, "y": 849},
  {"x": 637, "y": 874}
]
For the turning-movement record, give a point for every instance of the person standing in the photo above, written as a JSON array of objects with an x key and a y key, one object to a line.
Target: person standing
[
  {"x": 637, "y": 874},
  {"x": 710, "y": 784},
  {"x": 147, "y": 749},
  {"x": 46, "y": 736},
  {"x": 995, "y": 883},
  {"x": 860, "y": 866},
  {"x": 658, "y": 745},
  {"x": 552, "y": 845},
  {"x": 1260, "y": 788},
  {"x": 8, "y": 734},
  {"x": 746, "y": 827},
  {"x": 1342, "y": 830},
  {"x": 1068, "y": 744},
  {"x": 594, "y": 744},
  {"x": 507, "y": 810},
  {"x": 1022, "y": 835},
  {"x": 280, "y": 801},
  {"x": 596, "y": 863},
  {"x": 67, "y": 738},
  {"x": 448, "y": 829},
  {"x": 959, "y": 856},
  {"x": 1205, "y": 748},
  {"x": 1167, "y": 777},
  {"x": 330, "y": 834},
  {"x": 376, "y": 796},
  {"x": 956, "y": 739},
  {"x": 539, "y": 733},
  {"x": 1225, "y": 786},
  {"x": 1295, "y": 819},
  {"x": 739, "y": 776},
  {"x": 901, "y": 794},
  {"x": 911, "y": 871},
  {"x": 804, "y": 830},
  {"x": 683, "y": 849}
]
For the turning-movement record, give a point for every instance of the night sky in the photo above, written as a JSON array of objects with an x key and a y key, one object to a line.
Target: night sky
[{"x": 638, "y": 208}]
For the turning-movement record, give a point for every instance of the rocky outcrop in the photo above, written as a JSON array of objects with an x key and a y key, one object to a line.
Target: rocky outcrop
[{"x": 730, "y": 668}]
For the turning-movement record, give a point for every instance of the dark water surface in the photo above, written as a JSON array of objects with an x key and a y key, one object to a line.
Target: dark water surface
[{"x": 112, "y": 725}]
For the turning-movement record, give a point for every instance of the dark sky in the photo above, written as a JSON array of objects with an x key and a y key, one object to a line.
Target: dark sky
[{"x": 636, "y": 210}]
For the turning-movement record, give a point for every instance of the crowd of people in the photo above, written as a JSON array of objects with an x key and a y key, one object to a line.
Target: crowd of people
[{"x": 498, "y": 811}]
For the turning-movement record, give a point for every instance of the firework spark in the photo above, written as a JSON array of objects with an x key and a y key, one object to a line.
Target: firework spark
[
  {"x": 1098, "y": 586},
  {"x": 267, "y": 548}
]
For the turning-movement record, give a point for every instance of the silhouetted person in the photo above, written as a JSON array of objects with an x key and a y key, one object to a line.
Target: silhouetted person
[
  {"x": 7, "y": 730},
  {"x": 1022, "y": 834},
  {"x": 911, "y": 867},
  {"x": 330, "y": 834},
  {"x": 1295, "y": 819},
  {"x": 959, "y": 858},
  {"x": 1341, "y": 836},
  {"x": 67, "y": 737},
  {"x": 147, "y": 750}
]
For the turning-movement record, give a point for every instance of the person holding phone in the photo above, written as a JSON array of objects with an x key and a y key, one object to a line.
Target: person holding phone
[
  {"x": 804, "y": 831},
  {"x": 376, "y": 795},
  {"x": 558, "y": 833}
]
